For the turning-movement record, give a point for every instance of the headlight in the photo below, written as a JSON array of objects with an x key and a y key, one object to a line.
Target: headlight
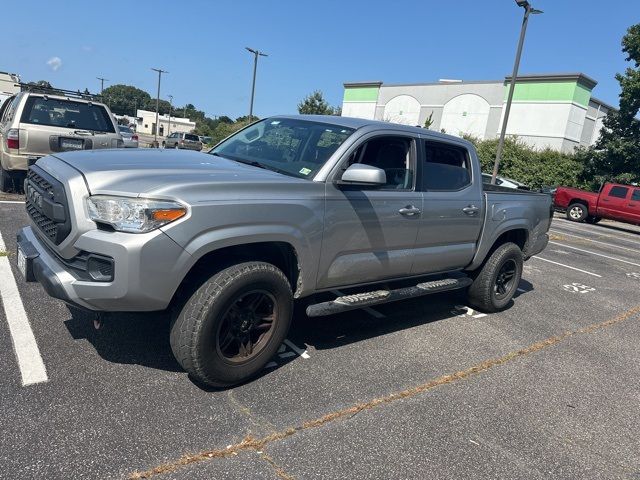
[{"x": 134, "y": 215}]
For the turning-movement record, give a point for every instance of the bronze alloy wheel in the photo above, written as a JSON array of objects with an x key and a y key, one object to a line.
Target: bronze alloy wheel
[{"x": 246, "y": 326}]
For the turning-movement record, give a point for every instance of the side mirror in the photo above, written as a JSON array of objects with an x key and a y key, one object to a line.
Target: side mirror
[{"x": 361, "y": 174}]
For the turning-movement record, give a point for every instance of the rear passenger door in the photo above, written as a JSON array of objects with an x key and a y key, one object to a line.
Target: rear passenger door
[
  {"x": 613, "y": 202},
  {"x": 452, "y": 207},
  {"x": 633, "y": 207}
]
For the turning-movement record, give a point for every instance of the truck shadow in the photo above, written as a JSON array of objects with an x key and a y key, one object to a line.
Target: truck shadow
[
  {"x": 357, "y": 325},
  {"x": 143, "y": 339},
  {"x": 128, "y": 338}
]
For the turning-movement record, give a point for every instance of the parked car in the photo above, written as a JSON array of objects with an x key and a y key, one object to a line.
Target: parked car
[
  {"x": 614, "y": 201},
  {"x": 188, "y": 141},
  {"x": 504, "y": 182},
  {"x": 288, "y": 207},
  {"x": 205, "y": 139},
  {"x": 129, "y": 137},
  {"x": 36, "y": 124}
]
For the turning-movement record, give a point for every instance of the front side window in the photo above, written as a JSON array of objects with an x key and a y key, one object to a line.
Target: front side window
[
  {"x": 618, "y": 192},
  {"x": 64, "y": 113},
  {"x": 635, "y": 196},
  {"x": 446, "y": 167},
  {"x": 292, "y": 147},
  {"x": 393, "y": 155}
]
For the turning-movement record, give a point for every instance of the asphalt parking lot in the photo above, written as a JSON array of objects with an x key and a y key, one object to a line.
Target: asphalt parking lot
[{"x": 427, "y": 388}]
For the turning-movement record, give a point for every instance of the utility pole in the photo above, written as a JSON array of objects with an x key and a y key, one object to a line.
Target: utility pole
[
  {"x": 170, "y": 107},
  {"x": 528, "y": 9},
  {"x": 102, "y": 80},
  {"x": 256, "y": 54},
  {"x": 160, "y": 72}
]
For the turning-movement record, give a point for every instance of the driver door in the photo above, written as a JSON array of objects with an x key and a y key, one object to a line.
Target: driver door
[{"x": 370, "y": 232}]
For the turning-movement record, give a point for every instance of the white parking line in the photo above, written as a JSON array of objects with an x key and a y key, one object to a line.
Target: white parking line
[
  {"x": 597, "y": 254},
  {"x": 30, "y": 362},
  {"x": 369, "y": 310},
  {"x": 635, "y": 250},
  {"x": 11, "y": 201},
  {"x": 567, "y": 266},
  {"x": 295, "y": 348}
]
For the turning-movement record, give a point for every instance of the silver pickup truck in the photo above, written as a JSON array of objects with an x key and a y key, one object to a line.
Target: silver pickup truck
[{"x": 285, "y": 209}]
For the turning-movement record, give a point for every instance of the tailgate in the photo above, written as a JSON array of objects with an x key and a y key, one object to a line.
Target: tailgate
[{"x": 50, "y": 125}]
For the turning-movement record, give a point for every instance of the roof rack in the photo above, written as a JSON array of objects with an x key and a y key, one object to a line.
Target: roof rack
[{"x": 32, "y": 87}]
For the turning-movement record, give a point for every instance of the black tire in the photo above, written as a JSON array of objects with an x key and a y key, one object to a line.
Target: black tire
[
  {"x": 592, "y": 220},
  {"x": 485, "y": 293},
  {"x": 221, "y": 304},
  {"x": 577, "y": 212},
  {"x": 164, "y": 145}
]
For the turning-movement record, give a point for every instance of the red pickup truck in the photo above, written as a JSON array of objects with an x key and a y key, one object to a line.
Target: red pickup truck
[{"x": 615, "y": 201}]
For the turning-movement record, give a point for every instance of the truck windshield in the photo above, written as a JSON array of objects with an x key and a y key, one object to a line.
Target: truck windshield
[{"x": 293, "y": 147}]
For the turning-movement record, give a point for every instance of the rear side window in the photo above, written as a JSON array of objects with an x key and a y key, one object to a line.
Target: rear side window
[
  {"x": 618, "y": 192},
  {"x": 636, "y": 195},
  {"x": 191, "y": 137},
  {"x": 8, "y": 110},
  {"x": 67, "y": 114},
  {"x": 445, "y": 168}
]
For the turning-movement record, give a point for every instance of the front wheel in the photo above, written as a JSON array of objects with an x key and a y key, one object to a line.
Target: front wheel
[
  {"x": 496, "y": 282},
  {"x": 577, "y": 212},
  {"x": 233, "y": 324}
]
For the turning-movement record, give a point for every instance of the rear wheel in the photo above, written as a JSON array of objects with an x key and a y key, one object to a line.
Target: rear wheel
[
  {"x": 577, "y": 212},
  {"x": 233, "y": 324},
  {"x": 496, "y": 282}
]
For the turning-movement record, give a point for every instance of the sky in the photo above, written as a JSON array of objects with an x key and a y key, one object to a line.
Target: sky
[{"x": 311, "y": 45}]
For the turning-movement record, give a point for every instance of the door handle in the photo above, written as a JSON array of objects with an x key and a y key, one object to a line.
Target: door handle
[
  {"x": 409, "y": 211},
  {"x": 471, "y": 210}
]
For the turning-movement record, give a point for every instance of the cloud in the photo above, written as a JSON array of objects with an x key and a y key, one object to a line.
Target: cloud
[{"x": 55, "y": 63}]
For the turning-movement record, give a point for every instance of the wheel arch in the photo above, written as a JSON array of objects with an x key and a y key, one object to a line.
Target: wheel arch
[{"x": 281, "y": 254}]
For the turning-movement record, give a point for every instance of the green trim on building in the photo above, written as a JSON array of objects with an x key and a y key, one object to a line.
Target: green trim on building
[
  {"x": 361, "y": 94},
  {"x": 550, "y": 92},
  {"x": 582, "y": 95}
]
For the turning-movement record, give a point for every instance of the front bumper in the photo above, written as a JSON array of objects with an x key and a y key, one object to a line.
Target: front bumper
[{"x": 147, "y": 270}]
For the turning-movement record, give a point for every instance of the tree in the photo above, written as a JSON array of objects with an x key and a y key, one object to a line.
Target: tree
[
  {"x": 616, "y": 155},
  {"x": 245, "y": 118},
  {"x": 429, "y": 121},
  {"x": 125, "y": 99},
  {"x": 315, "y": 104}
]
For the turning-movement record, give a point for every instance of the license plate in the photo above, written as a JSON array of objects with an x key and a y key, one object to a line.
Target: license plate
[
  {"x": 22, "y": 263},
  {"x": 71, "y": 144}
]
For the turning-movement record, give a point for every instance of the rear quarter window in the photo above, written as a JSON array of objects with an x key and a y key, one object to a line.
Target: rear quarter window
[{"x": 64, "y": 113}]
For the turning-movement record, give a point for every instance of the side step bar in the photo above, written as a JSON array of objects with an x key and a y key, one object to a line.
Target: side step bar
[{"x": 368, "y": 299}]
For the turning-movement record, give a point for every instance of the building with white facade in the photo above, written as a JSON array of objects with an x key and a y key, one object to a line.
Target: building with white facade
[
  {"x": 548, "y": 110},
  {"x": 145, "y": 122}
]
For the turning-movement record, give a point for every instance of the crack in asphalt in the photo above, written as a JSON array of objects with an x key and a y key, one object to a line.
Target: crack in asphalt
[{"x": 258, "y": 444}]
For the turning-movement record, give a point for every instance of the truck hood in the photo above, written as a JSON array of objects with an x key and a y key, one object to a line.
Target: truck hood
[{"x": 174, "y": 173}]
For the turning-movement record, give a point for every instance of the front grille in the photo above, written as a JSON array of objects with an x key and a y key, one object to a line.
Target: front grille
[
  {"x": 36, "y": 179},
  {"x": 46, "y": 204},
  {"x": 46, "y": 225}
]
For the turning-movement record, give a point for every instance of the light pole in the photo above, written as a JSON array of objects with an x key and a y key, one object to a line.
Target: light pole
[
  {"x": 170, "y": 107},
  {"x": 160, "y": 72},
  {"x": 102, "y": 80},
  {"x": 256, "y": 54},
  {"x": 528, "y": 10}
]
